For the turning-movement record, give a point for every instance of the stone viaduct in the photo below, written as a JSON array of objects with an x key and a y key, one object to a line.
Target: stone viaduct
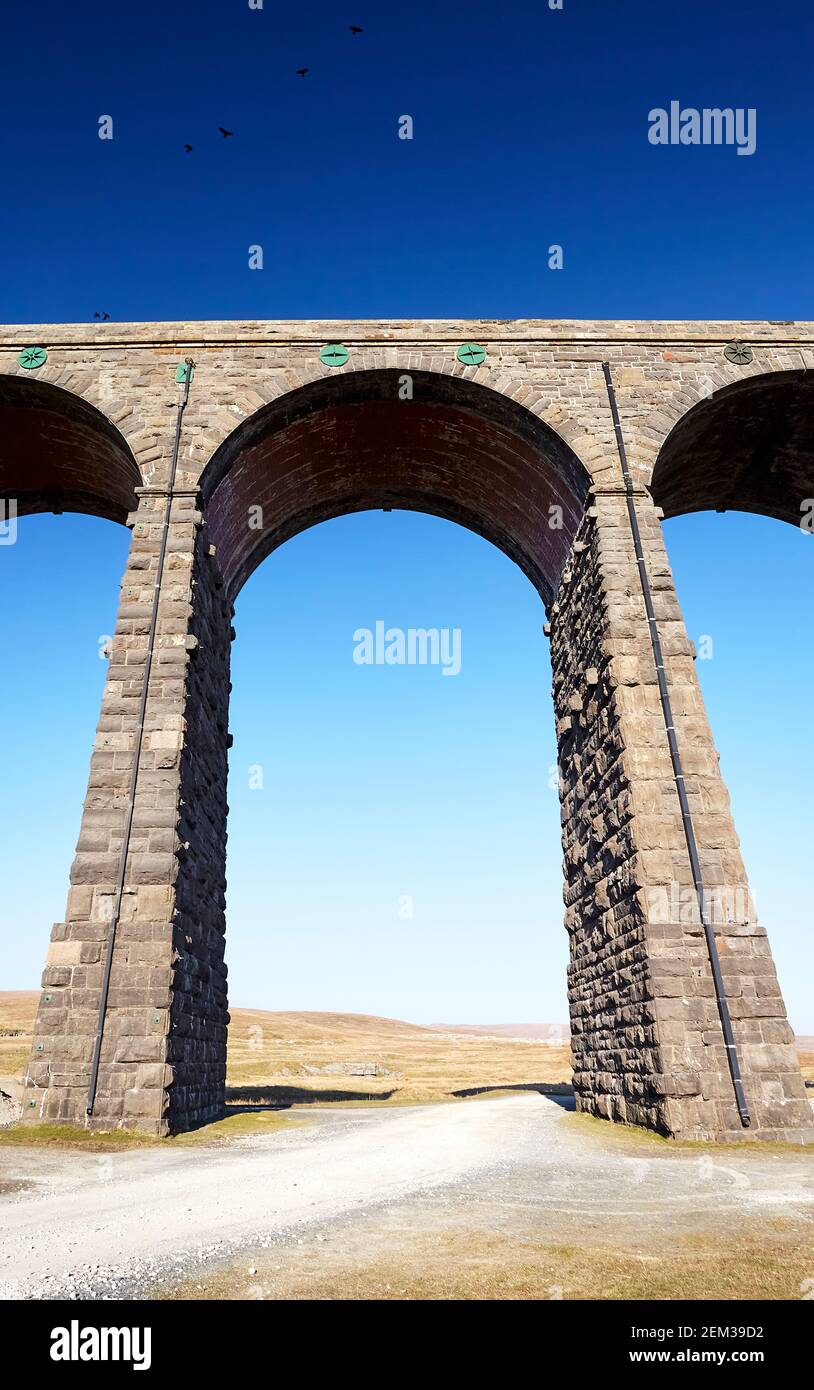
[{"x": 506, "y": 427}]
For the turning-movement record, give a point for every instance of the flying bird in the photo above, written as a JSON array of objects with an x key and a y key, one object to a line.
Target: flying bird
[
  {"x": 302, "y": 71},
  {"x": 224, "y": 132},
  {"x": 101, "y": 316},
  {"x": 354, "y": 28},
  {"x": 105, "y": 316},
  {"x": 188, "y": 149}
]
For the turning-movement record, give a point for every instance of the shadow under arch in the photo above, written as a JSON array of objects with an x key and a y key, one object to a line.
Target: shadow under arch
[
  {"x": 351, "y": 442},
  {"x": 58, "y": 453},
  {"x": 749, "y": 447}
]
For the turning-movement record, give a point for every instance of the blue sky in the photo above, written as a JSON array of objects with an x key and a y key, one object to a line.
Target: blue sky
[
  {"x": 387, "y": 783},
  {"x": 530, "y": 129}
]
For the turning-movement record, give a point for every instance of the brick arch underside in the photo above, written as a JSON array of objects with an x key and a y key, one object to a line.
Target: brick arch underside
[
  {"x": 58, "y": 453},
  {"x": 456, "y": 450},
  {"x": 749, "y": 448}
]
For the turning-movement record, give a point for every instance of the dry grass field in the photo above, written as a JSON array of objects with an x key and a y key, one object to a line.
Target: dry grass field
[
  {"x": 514, "y": 1199},
  {"x": 389, "y": 1260},
  {"x": 18, "y": 1010},
  {"x": 293, "y": 1059},
  {"x": 298, "y": 1058}
]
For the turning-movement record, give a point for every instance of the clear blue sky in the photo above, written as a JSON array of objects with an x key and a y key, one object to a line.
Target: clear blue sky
[{"x": 530, "y": 129}]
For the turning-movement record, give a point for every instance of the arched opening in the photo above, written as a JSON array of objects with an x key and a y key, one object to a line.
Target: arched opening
[
  {"x": 356, "y": 441},
  {"x": 332, "y": 452},
  {"x": 748, "y": 448},
  {"x": 745, "y": 583},
  {"x": 394, "y": 833},
  {"x": 60, "y": 583},
  {"x": 60, "y": 454},
  {"x": 57, "y": 454}
]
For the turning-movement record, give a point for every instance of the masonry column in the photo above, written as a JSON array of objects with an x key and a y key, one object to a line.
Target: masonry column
[
  {"x": 162, "y": 1062},
  {"x": 647, "y": 1038}
]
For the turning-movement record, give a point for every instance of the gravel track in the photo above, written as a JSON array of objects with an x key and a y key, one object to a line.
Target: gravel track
[{"x": 113, "y": 1225}]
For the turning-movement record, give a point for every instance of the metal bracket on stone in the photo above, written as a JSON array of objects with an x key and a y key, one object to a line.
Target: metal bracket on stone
[
  {"x": 617, "y": 490},
  {"x": 151, "y": 490}
]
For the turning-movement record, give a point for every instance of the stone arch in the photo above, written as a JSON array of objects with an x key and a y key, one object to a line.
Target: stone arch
[
  {"x": 748, "y": 447},
  {"x": 349, "y": 442},
  {"x": 60, "y": 453},
  {"x": 475, "y": 447},
  {"x": 578, "y": 429}
]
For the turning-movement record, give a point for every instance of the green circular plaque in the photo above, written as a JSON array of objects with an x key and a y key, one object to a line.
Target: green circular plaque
[
  {"x": 739, "y": 353},
  {"x": 471, "y": 354},
  {"x": 334, "y": 355},
  {"x": 31, "y": 357}
]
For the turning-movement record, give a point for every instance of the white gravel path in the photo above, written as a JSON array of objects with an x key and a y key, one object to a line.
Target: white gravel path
[
  {"x": 163, "y": 1208},
  {"x": 109, "y": 1225}
]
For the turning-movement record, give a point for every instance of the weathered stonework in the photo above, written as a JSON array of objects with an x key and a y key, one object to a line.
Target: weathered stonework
[
  {"x": 646, "y": 1034},
  {"x": 520, "y": 449}
]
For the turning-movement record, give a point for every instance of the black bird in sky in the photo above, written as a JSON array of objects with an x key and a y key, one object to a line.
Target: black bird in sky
[
  {"x": 354, "y": 28},
  {"x": 302, "y": 71},
  {"x": 224, "y": 132},
  {"x": 101, "y": 316},
  {"x": 188, "y": 149}
]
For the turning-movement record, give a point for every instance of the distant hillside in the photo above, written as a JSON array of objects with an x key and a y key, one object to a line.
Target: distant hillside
[
  {"x": 534, "y": 1032},
  {"x": 296, "y": 1058},
  {"x": 293, "y": 1058}
]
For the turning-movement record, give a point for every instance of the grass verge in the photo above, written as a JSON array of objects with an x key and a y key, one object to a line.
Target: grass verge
[
  {"x": 239, "y": 1126},
  {"x": 639, "y": 1140}
]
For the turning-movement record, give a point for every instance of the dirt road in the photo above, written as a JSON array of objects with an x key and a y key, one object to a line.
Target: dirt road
[{"x": 116, "y": 1225}]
